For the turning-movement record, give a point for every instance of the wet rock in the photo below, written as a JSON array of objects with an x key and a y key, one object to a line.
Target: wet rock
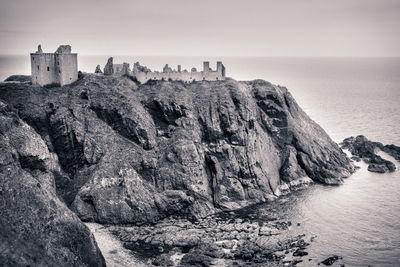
[
  {"x": 379, "y": 168},
  {"x": 364, "y": 149},
  {"x": 300, "y": 253},
  {"x": 392, "y": 150},
  {"x": 331, "y": 260}
]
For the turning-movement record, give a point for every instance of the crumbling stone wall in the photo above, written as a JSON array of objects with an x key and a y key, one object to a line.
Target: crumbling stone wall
[
  {"x": 109, "y": 67},
  {"x": 144, "y": 74},
  {"x": 168, "y": 74}
]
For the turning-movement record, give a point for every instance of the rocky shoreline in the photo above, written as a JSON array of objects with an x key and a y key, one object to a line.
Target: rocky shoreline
[{"x": 258, "y": 235}]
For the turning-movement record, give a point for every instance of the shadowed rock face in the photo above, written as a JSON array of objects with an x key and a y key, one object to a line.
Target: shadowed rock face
[
  {"x": 137, "y": 153},
  {"x": 36, "y": 227}
]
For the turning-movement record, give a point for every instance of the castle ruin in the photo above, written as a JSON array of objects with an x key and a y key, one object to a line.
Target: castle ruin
[
  {"x": 143, "y": 74},
  {"x": 60, "y": 67}
]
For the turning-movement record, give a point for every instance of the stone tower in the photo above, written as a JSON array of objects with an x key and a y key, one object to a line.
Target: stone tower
[
  {"x": 60, "y": 67},
  {"x": 220, "y": 68}
]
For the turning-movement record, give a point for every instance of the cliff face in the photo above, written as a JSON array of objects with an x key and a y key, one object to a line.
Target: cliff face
[
  {"x": 136, "y": 153},
  {"x": 36, "y": 227}
]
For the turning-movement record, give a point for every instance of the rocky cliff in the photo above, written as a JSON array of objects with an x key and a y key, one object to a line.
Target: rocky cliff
[
  {"x": 131, "y": 153},
  {"x": 36, "y": 227}
]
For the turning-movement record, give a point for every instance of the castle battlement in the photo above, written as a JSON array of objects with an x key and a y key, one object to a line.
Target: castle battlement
[
  {"x": 144, "y": 74},
  {"x": 60, "y": 67}
]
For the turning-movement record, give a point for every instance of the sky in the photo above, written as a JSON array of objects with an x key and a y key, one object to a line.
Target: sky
[{"x": 360, "y": 28}]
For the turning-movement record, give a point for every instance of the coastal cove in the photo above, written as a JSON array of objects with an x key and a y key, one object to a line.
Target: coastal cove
[{"x": 357, "y": 220}]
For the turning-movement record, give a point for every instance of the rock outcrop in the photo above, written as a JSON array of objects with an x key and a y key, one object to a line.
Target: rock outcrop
[
  {"x": 36, "y": 227},
  {"x": 138, "y": 153},
  {"x": 362, "y": 148},
  {"x": 109, "y": 67},
  {"x": 19, "y": 78}
]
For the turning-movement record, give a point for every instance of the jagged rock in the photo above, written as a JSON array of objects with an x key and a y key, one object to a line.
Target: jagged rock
[
  {"x": 365, "y": 149},
  {"x": 36, "y": 227},
  {"x": 138, "y": 153},
  {"x": 108, "y": 68},
  {"x": 98, "y": 69}
]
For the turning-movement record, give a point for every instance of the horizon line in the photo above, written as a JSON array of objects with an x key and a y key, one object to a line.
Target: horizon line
[{"x": 231, "y": 56}]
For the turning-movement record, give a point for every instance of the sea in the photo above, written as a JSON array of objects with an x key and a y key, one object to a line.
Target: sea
[{"x": 347, "y": 96}]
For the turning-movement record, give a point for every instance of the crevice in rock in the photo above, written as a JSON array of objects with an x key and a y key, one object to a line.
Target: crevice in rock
[
  {"x": 68, "y": 149},
  {"x": 164, "y": 115},
  {"x": 123, "y": 126},
  {"x": 211, "y": 172},
  {"x": 32, "y": 163}
]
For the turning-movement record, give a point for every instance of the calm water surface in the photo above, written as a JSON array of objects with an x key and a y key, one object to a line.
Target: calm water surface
[{"x": 359, "y": 220}]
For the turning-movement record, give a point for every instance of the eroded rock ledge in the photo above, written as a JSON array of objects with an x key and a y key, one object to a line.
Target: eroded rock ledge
[
  {"x": 362, "y": 148},
  {"x": 137, "y": 153}
]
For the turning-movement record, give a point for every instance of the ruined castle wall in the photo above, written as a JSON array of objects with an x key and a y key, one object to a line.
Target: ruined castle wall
[
  {"x": 117, "y": 68},
  {"x": 68, "y": 68},
  {"x": 44, "y": 69},
  {"x": 179, "y": 76}
]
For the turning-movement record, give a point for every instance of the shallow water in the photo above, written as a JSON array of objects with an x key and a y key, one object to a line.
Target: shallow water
[
  {"x": 358, "y": 220},
  {"x": 346, "y": 96}
]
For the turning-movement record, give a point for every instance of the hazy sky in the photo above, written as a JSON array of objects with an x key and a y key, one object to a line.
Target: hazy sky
[{"x": 203, "y": 27}]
